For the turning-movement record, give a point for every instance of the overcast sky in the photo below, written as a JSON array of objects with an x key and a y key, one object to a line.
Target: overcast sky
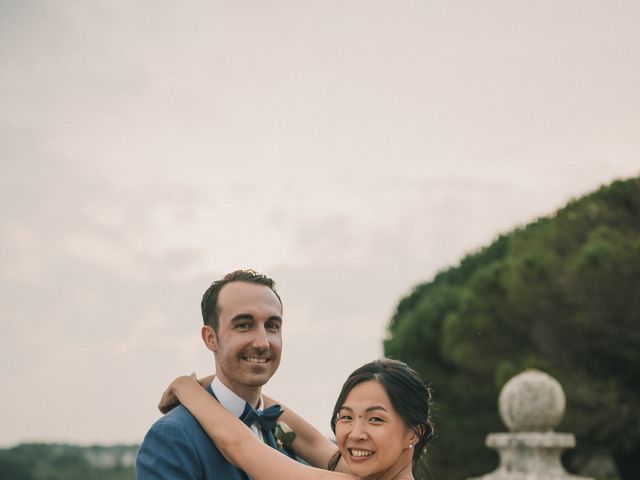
[{"x": 349, "y": 149}]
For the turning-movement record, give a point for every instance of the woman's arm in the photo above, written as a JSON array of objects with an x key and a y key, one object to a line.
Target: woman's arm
[
  {"x": 236, "y": 441},
  {"x": 309, "y": 444}
]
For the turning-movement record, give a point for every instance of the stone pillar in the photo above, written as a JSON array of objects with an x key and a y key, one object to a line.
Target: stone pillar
[{"x": 531, "y": 405}]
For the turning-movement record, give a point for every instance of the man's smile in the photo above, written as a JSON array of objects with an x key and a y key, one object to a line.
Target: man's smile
[{"x": 255, "y": 359}]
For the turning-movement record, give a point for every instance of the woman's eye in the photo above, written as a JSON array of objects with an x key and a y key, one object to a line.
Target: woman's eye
[
  {"x": 376, "y": 420},
  {"x": 344, "y": 418}
]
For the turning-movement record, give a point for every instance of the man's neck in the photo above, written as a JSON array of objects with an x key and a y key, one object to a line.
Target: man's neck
[{"x": 251, "y": 395}]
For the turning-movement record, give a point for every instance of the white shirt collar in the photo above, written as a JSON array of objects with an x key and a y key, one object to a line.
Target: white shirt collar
[{"x": 229, "y": 399}]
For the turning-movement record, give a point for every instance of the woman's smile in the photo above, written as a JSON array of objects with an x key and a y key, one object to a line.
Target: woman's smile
[{"x": 360, "y": 453}]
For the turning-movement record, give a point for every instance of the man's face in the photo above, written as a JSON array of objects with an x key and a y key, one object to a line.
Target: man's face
[{"x": 248, "y": 343}]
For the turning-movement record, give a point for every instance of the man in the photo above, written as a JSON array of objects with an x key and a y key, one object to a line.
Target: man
[{"x": 242, "y": 315}]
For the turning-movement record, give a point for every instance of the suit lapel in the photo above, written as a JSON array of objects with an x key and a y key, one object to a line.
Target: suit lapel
[{"x": 241, "y": 474}]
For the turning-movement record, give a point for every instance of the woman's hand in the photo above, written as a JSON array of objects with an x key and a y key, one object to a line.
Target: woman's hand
[{"x": 170, "y": 397}]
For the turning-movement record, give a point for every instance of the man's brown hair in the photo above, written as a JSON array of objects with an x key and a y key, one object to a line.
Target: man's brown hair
[{"x": 209, "y": 304}]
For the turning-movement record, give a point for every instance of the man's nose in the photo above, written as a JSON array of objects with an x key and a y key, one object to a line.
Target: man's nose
[{"x": 260, "y": 339}]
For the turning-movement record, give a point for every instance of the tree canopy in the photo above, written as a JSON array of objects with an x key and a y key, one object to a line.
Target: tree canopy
[{"x": 562, "y": 295}]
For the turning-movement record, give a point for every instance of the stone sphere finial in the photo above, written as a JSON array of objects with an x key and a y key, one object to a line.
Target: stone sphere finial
[{"x": 532, "y": 401}]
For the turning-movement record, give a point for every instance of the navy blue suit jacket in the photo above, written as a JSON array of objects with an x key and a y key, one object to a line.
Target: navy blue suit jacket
[{"x": 177, "y": 448}]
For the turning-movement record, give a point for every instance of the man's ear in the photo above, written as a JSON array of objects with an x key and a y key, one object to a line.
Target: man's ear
[{"x": 209, "y": 338}]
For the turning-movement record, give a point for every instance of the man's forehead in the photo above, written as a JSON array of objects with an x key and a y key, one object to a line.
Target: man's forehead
[
  {"x": 241, "y": 294},
  {"x": 240, "y": 287}
]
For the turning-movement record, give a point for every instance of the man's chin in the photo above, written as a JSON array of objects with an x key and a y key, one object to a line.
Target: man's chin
[
  {"x": 266, "y": 369},
  {"x": 252, "y": 376},
  {"x": 257, "y": 380}
]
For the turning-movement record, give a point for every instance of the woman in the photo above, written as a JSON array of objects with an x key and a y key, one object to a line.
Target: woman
[{"x": 381, "y": 422}]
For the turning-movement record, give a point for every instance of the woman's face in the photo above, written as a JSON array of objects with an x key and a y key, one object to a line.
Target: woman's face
[{"x": 372, "y": 438}]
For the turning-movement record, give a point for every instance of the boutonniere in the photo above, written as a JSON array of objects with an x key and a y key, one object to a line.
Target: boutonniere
[{"x": 284, "y": 436}]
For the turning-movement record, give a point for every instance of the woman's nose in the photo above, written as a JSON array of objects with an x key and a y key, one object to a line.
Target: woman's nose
[{"x": 358, "y": 432}]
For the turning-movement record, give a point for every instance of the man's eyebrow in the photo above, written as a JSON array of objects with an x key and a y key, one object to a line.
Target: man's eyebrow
[{"x": 248, "y": 316}]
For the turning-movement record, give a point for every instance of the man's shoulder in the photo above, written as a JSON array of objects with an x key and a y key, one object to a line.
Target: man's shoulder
[
  {"x": 174, "y": 448},
  {"x": 177, "y": 434},
  {"x": 178, "y": 418}
]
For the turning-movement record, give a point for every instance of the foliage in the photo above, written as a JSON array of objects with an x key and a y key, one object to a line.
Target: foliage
[
  {"x": 562, "y": 295},
  {"x": 39, "y": 461}
]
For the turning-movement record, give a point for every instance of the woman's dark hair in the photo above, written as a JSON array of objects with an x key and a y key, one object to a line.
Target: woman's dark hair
[{"x": 408, "y": 394}]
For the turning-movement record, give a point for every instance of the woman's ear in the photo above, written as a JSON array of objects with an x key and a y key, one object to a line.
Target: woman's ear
[
  {"x": 414, "y": 437},
  {"x": 417, "y": 433},
  {"x": 420, "y": 430}
]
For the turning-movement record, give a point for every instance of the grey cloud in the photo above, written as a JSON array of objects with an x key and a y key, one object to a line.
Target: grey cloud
[{"x": 351, "y": 155}]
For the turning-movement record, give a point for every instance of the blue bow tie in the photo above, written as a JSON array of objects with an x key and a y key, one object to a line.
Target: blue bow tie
[{"x": 266, "y": 418}]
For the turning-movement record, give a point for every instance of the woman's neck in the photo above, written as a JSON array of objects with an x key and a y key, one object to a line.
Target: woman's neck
[{"x": 399, "y": 471}]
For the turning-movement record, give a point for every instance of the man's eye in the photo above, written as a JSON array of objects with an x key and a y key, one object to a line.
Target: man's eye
[
  {"x": 274, "y": 327},
  {"x": 242, "y": 326}
]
